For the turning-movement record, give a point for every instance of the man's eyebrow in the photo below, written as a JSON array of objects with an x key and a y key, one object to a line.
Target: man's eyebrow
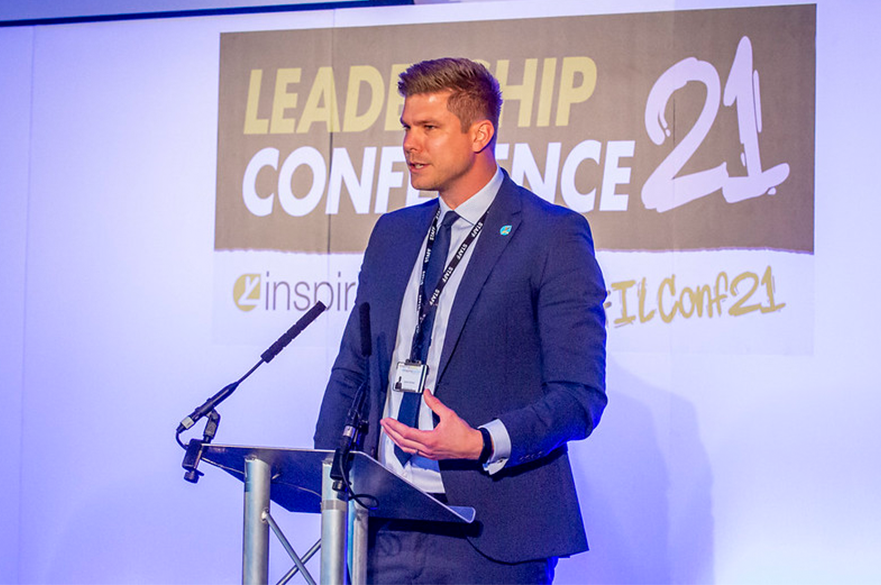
[{"x": 422, "y": 122}]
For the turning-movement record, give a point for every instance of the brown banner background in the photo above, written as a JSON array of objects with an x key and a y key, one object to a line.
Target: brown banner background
[{"x": 630, "y": 52}]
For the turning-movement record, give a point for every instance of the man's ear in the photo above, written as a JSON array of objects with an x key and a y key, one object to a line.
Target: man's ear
[{"x": 482, "y": 133}]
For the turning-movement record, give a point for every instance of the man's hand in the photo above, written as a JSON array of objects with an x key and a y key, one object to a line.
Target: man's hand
[{"x": 452, "y": 438}]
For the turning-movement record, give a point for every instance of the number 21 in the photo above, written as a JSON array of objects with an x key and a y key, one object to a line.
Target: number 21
[{"x": 664, "y": 190}]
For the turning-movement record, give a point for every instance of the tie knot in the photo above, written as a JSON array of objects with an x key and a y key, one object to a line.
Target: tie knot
[{"x": 450, "y": 218}]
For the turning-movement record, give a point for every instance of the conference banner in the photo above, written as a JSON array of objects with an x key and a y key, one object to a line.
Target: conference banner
[{"x": 686, "y": 138}]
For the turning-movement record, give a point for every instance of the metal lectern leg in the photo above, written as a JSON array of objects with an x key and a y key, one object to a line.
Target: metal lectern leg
[
  {"x": 334, "y": 525},
  {"x": 255, "y": 557},
  {"x": 358, "y": 562}
]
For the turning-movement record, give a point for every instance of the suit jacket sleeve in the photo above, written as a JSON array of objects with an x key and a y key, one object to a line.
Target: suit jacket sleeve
[{"x": 571, "y": 327}]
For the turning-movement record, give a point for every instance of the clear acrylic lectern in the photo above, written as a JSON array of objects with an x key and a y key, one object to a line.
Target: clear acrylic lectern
[{"x": 298, "y": 480}]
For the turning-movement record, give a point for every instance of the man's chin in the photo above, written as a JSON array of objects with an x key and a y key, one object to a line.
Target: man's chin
[{"x": 423, "y": 185}]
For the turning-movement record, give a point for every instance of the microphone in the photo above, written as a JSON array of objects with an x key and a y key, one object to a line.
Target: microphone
[
  {"x": 207, "y": 407},
  {"x": 356, "y": 424},
  {"x": 354, "y": 417},
  {"x": 266, "y": 357},
  {"x": 295, "y": 330},
  {"x": 366, "y": 339}
]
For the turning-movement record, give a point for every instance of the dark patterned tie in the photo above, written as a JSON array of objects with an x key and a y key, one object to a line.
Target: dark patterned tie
[{"x": 410, "y": 401}]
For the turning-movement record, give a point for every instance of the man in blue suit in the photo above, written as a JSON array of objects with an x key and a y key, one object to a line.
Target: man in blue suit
[{"x": 485, "y": 362}]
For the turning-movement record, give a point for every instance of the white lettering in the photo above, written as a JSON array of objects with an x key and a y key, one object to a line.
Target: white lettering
[
  {"x": 309, "y": 156},
  {"x": 388, "y": 177},
  {"x": 524, "y": 168},
  {"x": 385, "y": 182},
  {"x": 259, "y": 206},
  {"x": 614, "y": 175},
  {"x": 576, "y": 200},
  {"x": 342, "y": 171}
]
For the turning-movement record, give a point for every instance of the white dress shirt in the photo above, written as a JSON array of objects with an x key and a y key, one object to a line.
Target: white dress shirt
[{"x": 422, "y": 472}]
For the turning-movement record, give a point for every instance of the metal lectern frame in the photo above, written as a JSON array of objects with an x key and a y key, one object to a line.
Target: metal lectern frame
[{"x": 299, "y": 481}]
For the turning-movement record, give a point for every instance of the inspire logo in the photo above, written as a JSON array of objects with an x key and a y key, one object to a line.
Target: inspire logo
[
  {"x": 246, "y": 292},
  {"x": 267, "y": 292}
]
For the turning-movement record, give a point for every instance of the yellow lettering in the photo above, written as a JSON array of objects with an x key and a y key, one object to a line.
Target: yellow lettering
[
  {"x": 395, "y": 103},
  {"x": 569, "y": 92},
  {"x": 670, "y": 283},
  {"x": 686, "y": 293},
  {"x": 284, "y": 101},
  {"x": 523, "y": 93},
  {"x": 704, "y": 294},
  {"x": 768, "y": 281},
  {"x": 253, "y": 124},
  {"x": 701, "y": 300},
  {"x": 358, "y": 75},
  {"x": 740, "y": 307},
  {"x": 641, "y": 295},
  {"x": 622, "y": 287},
  {"x": 720, "y": 290},
  {"x": 321, "y": 105},
  {"x": 546, "y": 93}
]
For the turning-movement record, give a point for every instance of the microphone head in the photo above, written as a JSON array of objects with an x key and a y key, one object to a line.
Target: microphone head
[
  {"x": 366, "y": 337},
  {"x": 297, "y": 328}
]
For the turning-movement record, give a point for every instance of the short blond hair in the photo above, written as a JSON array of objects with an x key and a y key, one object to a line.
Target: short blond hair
[{"x": 474, "y": 92}]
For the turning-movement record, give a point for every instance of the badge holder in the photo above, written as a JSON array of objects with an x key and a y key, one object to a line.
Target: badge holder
[{"x": 410, "y": 376}]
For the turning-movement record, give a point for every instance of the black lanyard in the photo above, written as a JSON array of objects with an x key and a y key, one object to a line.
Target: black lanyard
[{"x": 423, "y": 308}]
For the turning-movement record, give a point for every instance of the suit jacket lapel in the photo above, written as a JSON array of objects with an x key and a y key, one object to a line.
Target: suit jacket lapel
[
  {"x": 504, "y": 211},
  {"x": 395, "y": 276}
]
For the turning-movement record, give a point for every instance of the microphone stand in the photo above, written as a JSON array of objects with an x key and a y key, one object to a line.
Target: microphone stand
[
  {"x": 356, "y": 419},
  {"x": 194, "y": 448},
  {"x": 193, "y": 456},
  {"x": 351, "y": 440}
]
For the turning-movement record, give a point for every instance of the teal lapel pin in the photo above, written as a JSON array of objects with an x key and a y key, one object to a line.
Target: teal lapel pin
[{"x": 506, "y": 229}]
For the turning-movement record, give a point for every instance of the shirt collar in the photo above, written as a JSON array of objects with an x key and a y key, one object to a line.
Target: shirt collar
[{"x": 475, "y": 206}]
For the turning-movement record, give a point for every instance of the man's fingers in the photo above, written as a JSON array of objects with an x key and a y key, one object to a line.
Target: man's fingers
[
  {"x": 434, "y": 403},
  {"x": 452, "y": 438},
  {"x": 407, "y": 438}
]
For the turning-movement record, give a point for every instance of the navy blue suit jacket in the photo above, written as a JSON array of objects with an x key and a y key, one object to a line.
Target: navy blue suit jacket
[{"x": 525, "y": 344}]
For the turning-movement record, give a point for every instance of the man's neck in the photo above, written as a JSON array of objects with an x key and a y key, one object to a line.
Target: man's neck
[
  {"x": 474, "y": 206},
  {"x": 486, "y": 172}
]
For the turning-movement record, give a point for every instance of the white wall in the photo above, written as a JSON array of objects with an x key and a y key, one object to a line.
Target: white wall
[
  {"x": 729, "y": 468},
  {"x": 15, "y": 64}
]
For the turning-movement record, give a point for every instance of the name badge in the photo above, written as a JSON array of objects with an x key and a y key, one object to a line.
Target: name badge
[{"x": 410, "y": 377}]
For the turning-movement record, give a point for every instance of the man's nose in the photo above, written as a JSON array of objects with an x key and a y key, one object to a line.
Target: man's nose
[{"x": 411, "y": 144}]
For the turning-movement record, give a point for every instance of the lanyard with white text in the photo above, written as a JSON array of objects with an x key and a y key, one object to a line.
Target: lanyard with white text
[{"x": 423, "y": 308}]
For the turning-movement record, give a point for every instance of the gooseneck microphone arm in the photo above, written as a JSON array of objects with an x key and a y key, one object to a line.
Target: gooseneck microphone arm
[
  {"x": 265, "y": 358},
  {"x": 207, "y": 408}
]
